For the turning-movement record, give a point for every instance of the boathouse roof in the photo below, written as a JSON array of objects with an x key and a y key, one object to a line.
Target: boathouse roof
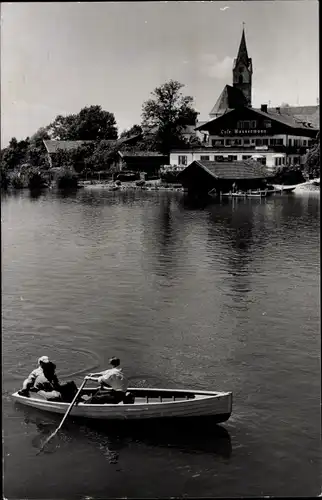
[{"x": 235, "y": 170}]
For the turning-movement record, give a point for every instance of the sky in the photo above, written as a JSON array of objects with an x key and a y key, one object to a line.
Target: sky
[{"x": 58, "y": 57}]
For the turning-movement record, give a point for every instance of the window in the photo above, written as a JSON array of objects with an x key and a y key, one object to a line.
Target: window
[
  {"x": 232, "y": 157},
  {"x": 238, "y": 142},
  {"x": 243, "y": 124},
  {"x": 218, "y": 142},
  {"x": 304, "y": 142},
  {"x": 263, "y": 160},
  {"x": 290, "y": 142},
  {"x": 228, "y": 142},
  {"x": 278, "y": 162},
  {"x": 246, "y": 157},
  {"x": 276, "y": 142},
  {"x": 240, "y": 79},
  {"x": 246, "y": 142},
  {"x": 267, "y": 123},
  {"x": 265, "y": 142},
  {"x": 253, "y": 124},
  {"x": 241, "y": 69},
  {"x": 182, "y": 160},
  {"x": 205, "y": 158},
  {"x": 258, "y": 142},
  {"x": 219, "y": 158}
]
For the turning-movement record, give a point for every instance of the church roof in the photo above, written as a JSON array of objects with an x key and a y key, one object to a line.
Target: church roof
[{"x": 230, "y": 98}]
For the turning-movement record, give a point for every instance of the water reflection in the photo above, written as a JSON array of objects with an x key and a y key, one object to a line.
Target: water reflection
[{"x": 193, "y": 436}]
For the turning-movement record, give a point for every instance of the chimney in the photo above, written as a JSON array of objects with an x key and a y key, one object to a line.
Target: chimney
[
  {"x": 264, "y": 108},
  {"x": 278, "y": 109}
]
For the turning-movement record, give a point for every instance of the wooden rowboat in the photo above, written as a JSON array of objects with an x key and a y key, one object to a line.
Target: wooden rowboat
[{"x": 148, "y": 404}]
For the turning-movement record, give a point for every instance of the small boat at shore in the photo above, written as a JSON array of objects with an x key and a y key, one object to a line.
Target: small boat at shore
[
  {"x": 146, "y": 404},
  {"x": 245, "y": 194},
  {"x": 280, "y": 188}
]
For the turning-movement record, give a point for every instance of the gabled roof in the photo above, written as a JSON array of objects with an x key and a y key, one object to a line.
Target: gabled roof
[
  {"x": 282, "y": 115},
  {"x": 293, "y": 121},
  {"x": 54, "y": 146},
  {"x": 141, "y": 154},
  {"x": 308, "y": 114},
  {"x": 236, "y": 170},
  {"x": 230, "y": 98}
]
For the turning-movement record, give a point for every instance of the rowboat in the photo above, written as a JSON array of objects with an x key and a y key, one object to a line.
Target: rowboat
[
  {"x": 146, "y": 404},
  {"x": 280, "y": 188},
  {"x": 257, "y": 194}
]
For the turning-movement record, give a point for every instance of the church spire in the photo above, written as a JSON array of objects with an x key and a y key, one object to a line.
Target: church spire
[
  {"x": 242, "y": 52},
  {"x": 243, "y": 70}
]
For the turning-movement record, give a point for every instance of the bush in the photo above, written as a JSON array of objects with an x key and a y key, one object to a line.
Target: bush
[
  {"x": 288, "y": 175},
  {"x": 17, "y": 182},
  {"x": 4, "y": 179},
  {"x": 36, "y": 180},
  {"x": 67, "y": 179}
]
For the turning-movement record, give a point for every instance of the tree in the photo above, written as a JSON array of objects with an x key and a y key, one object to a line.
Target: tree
[
  {"x": 91, "y": 123},
  {"x": 134, "y": 130},
  {"x": 167, "y": 114},
  {"x": 104, "y": 155},
  {"x": 36, "y": 154},
  {"x": 63, "y": 128},
  {"x": 312, "y": 160},
  {"x": 15, "y": 154}
]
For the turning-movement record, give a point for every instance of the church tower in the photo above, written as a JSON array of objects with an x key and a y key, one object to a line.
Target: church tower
[{"x": 243, "y": 70}]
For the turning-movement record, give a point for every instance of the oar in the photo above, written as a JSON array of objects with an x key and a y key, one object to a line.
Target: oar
[{"x": 65, "y": 416}]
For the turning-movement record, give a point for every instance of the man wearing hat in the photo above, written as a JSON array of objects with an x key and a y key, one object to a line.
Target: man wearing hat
[
  {"x": 114, "y": 378},
  {"x": 29, "y": 382}
]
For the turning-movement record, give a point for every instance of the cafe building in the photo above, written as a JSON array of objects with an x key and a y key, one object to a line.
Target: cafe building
[{"x": 236, "y": 131}]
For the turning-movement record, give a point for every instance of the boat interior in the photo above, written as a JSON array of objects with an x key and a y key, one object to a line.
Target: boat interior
[{"x": 137, "y": 396}]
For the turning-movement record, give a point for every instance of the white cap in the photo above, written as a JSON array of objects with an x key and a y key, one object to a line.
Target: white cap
[{"x": 43, "y": 359}]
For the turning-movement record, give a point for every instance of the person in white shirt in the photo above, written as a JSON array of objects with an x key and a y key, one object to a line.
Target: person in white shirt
[{"x": 114, "y": 378}]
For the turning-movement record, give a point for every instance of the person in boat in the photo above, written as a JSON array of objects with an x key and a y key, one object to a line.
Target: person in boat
[
  {"x": 30, "y": 380},
  {"x": 44, "y": 381},
  {"x": 115, "y": 379}
]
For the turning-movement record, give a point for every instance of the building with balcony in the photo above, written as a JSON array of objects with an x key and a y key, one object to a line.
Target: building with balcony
[{"x": 236, "y": 131}]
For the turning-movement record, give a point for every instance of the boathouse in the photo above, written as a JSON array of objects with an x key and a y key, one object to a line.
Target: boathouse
[
  {"x": 149, "y": 162},
  {"x": 201, "y": 177}
]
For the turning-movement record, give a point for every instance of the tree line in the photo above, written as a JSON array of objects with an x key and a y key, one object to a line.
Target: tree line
[{"x": 164, "y": 118}]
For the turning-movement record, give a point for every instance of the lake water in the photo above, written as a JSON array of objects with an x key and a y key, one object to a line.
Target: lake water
[{"x": 225, "y": 298}]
